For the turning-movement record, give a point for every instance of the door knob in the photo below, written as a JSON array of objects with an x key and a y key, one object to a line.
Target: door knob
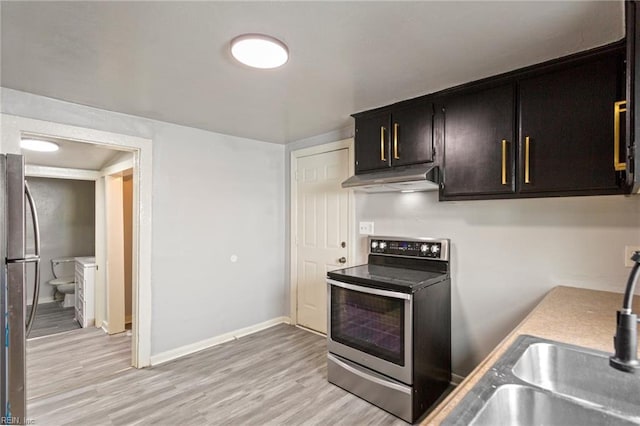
[{"x": 342, "y": 260}]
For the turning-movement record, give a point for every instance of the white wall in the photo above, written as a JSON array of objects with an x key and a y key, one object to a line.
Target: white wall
[
  {"x": 506, "y": 254},
  {"x": 213, "y": 196}
]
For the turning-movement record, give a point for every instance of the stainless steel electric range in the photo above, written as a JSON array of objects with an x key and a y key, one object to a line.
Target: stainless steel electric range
[{"x": 389, "y": 325}]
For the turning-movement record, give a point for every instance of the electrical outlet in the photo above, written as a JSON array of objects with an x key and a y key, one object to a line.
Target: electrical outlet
[
  {"x": 628, "y": 252},
  {"x": 366, "y": 228}
]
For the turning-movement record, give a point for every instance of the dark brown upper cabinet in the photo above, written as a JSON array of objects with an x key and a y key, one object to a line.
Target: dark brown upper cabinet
[
  {"x": 547, "y": 130},
  {"x": 627, "y": 148},
  {"x": 551, "y": 129},
  {"x": 479, "y": 138},
  {"x": 412, "y": 135},
  {"x": 397, "y": 136},
  {"x": 372, "y": 142},
  {"x": 566, "y": 127}
]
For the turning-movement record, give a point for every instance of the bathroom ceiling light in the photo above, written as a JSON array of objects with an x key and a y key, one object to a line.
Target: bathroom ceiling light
[
  {"x": 38, "y": 145},
  {"x": 259, "y": 51}
]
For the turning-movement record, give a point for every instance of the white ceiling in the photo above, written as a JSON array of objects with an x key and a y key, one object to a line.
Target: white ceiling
[
  {"x": 170, "y": 61},
  {"x": 72, "y": 155}
]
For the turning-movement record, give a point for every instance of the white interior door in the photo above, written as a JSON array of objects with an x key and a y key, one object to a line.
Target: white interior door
[
  {"x": 322, "y": 231},
  {"x": 115, "y": 256},
  {"x": 101, "y": 255}
]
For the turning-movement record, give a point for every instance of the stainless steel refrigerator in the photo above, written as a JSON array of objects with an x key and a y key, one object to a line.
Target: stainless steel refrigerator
[{"x": 16, "y": 323}]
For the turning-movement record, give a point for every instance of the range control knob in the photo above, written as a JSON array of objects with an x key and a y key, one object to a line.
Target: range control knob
[
  {"x": 435, "y": 249},
  {"x": 424, "y": 248},
  {"x": 374, "y": 244},
  {"x": 383, "y": 245}
]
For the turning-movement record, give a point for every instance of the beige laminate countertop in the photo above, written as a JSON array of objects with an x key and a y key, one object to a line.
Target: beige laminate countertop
[{"x": 566, "y": 314}]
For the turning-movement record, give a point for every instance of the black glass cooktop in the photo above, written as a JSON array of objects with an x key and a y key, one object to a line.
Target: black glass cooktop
[{"x": 387, "y": 277}]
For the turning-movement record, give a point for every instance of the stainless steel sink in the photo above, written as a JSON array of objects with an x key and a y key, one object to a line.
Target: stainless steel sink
[
  {"x": 524, "y": 405},
  {"x": 541, "y": 382},
  {"x": 579, "y": 373}
]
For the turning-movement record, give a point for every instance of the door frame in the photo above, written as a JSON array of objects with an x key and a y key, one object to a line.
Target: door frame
[
  {"x": 11, "y": 130},
  {"x": 293, "y": 214}
]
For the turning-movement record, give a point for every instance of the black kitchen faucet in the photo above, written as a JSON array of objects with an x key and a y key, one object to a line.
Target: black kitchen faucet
[{"x": 625, "y": 341}]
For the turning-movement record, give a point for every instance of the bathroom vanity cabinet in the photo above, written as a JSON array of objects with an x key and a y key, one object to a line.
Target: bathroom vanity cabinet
[{"x": 85, "y": 285}]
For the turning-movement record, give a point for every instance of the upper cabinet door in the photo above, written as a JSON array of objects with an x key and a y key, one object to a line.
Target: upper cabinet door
[
  {"x": 479, "y": 143},
  {"x": 372, "y": 142},
  {"x": 412, "y": 135},
  {"x": 632, "y": 164},
  {"x": 566, "y": 128}
]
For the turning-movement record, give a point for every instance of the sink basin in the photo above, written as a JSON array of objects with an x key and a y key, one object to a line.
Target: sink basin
[
  {"x": 524, "y": 405},
  {"x": 579, "y": 373},
  {"x": 541, "y": 382}
]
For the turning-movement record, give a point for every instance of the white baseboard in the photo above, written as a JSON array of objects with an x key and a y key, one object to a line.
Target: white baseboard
[
  {"x": 456, "y": 380},
  {"x": 214, "y": 341},
  {"x": 105, "y": 327},
  {"x": 311, "y": 331},
  {"x": 42, "y": 300}
]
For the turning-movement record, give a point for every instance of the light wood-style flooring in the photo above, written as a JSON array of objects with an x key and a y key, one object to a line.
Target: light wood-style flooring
[
  {"x": 275, "y": 377},
  {"x": 51, "y": 318},
  {"x": 74, "y": 359}
]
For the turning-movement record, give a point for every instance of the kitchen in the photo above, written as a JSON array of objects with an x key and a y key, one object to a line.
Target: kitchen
[{"x": 506, "y": 253}]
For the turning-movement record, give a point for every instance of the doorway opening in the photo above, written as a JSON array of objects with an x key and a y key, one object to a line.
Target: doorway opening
[
  {"x": 66, "y": 213},
  {"x": 139, "y": 156},
  {"x": 116, "y": 310},
  {"x": 93, "y": 271}
]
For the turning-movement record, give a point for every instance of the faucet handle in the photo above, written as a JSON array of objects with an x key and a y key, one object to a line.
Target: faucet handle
[
  {"x": 626, "y": 344},
  {"x": 636, "y": 256}
]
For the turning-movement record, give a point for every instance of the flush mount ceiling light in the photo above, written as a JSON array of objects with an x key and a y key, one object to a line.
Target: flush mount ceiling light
[
  {"x": 38, "y": 145},
  {"x": 259, "y": 51}
]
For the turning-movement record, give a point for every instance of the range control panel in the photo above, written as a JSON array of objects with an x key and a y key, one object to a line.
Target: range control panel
[{"x": 437, "y": 249}]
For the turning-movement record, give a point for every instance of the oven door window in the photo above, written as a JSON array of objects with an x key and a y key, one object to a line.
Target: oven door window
[{"x": 370, "y": 323}]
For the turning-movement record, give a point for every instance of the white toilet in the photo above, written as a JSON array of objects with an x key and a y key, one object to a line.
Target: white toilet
[{"x": 64, "y": 270}]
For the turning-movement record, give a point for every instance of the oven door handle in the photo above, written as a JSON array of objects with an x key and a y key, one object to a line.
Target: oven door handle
[{"x": 375, "y": 291}]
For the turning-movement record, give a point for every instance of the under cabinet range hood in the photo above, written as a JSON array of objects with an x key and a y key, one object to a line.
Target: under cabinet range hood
[{"x": 420, "y": 177}]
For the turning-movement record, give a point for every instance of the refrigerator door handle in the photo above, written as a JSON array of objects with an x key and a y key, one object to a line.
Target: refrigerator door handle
[
  {"x": 35, "y": 258},
  {"x": 28, "y": 259}
]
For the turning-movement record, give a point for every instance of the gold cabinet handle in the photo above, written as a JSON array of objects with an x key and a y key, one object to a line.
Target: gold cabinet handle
[
  {"x": 382, "y": 156},
  {"x": 618, "y": 107},
  {"x": 527, "y": 178},
  {"x": 504, "y": 161},
  {"x": 395, "y": 141}
]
